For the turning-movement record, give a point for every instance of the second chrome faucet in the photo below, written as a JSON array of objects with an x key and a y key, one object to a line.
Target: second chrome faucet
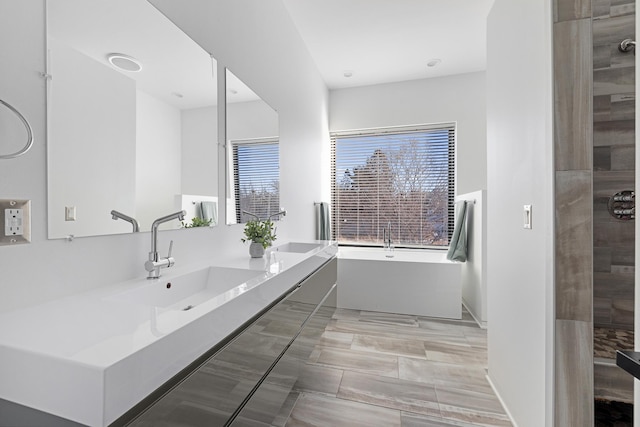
[{"x": 154, "y": 264}]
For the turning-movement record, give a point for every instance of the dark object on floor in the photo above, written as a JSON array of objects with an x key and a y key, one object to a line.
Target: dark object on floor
[{"x": 613, "y": 414}]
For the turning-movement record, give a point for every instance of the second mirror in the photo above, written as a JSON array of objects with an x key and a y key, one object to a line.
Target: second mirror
[{"x": 253, "y": 155}]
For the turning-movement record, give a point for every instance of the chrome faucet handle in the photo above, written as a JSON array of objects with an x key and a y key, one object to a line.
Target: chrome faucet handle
[{"x": 169, "y": 258}]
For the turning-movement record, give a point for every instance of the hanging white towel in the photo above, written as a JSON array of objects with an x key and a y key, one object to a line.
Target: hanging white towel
[{"x": 458, "y": 243}]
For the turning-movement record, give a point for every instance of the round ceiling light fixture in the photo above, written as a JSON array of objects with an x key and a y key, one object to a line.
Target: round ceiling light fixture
[
  {"x": 347, "y": 73},
  {"x": 124, "y": 62},
  {"x": 433, "y": 62}
]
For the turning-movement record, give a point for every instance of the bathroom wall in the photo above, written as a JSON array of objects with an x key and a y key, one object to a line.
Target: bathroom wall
[
  {"x": 573, "y": 155},
  {"x": 561, "y": 336},
  {"x": 200, "y": 151},
  {"x": 519, "y": 172},
  {"x": 158, "y": 159},
  {"x": 253, "y": 119},
  {"x": 73, "y": 117},
  {"x": 613, "y": 171},
  {"x": 260, "y": 43},
  {"x": 613, "y": 162},
  {"x": 459, "y": 99}
]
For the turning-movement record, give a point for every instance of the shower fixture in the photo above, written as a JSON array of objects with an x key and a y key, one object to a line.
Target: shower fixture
[
  {"x": 622, "y": 205},
  {"x": 627, "y": 45}
]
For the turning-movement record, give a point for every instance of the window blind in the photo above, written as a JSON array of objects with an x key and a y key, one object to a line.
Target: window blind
[
  {"x": 398, "y": 180},
  {"x": 256, "y": 178}
]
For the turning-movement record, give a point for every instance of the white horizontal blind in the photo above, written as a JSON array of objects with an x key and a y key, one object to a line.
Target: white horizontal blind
[
  {"x": 256, "y": 178},
  {"x": 400, "y": 179}
]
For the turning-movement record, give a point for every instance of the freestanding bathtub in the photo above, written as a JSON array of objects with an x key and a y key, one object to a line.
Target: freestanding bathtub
[{"x": 417, "y": 282}]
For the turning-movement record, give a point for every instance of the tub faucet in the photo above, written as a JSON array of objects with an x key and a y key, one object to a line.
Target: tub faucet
[
  {"x": 281, "y": 213},
  {"x": 154, "y": 264},
  {"x": 386, "y": 236}
]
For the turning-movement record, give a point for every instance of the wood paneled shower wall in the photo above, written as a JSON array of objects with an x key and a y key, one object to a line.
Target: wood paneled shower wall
[{"x": 593, "y": 152}]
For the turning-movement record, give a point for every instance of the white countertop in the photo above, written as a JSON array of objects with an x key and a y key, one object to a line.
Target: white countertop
[{"x": 90, "y": 357}]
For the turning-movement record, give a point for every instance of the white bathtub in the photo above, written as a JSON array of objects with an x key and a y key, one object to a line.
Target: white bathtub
[{"x": 417, "y": 282}]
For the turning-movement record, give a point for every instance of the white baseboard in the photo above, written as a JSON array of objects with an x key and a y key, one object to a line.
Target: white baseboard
[
  {"x": 506, "y": 410},
  {"x": 481, "y": 324}
]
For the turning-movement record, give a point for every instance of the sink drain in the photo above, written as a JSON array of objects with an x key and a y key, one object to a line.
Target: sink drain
[{"x": 189, "y": 307}]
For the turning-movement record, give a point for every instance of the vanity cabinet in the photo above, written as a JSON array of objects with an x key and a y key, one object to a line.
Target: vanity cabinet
[{"x": 250, "y": 379}]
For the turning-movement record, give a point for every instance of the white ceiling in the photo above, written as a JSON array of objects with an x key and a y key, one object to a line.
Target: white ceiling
[
  {"x": 382, "y": 41},
  {"x": 379, "y": 41}
]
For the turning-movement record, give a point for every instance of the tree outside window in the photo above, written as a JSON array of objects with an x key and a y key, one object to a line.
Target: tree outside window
[{"x": 399, "y": 181}]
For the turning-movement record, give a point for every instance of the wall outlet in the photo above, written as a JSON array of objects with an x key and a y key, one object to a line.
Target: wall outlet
[{"x": 15, "y": 220}]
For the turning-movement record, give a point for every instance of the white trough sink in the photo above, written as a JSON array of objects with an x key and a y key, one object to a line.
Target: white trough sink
[
  {"x": 188, "y": 290},
  {"x": 90, "y": 357}
]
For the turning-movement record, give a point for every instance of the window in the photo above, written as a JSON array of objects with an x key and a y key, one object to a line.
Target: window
[
  {"x": 397, "y": 178},
  {"x": 256, "y": 182}
]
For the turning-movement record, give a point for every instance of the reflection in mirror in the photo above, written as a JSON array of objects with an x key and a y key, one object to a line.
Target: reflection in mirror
[
  {"x": 134, "y": 132},
  {"x": 253, "y": 179}
]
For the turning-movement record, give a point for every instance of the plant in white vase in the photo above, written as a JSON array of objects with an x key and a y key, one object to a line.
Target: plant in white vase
[{"x": 261, "y": 234}]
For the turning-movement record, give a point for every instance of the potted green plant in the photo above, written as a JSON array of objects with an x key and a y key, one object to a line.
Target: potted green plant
[{"x": 261, "y": 234}]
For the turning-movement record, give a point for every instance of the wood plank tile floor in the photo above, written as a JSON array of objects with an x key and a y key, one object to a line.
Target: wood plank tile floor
[{"x": 380, "y": 369}]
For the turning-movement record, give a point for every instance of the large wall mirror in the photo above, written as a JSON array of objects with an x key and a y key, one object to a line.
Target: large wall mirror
[
  {"x": 253, "y": 154},
  {"x": 134, "y": 132}
]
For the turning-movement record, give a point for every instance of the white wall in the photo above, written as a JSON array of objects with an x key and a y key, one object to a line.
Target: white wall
[
  {"x": 519, "y": 172},
  {"x": 158, "y": 160},
  {"x": 92, "y": 139},
  {"x": 199, "y": 151},
  {"x": 259, "y": 42},
  {"x": 253, "y": 119},
  {"x": 458, "y": 99}
]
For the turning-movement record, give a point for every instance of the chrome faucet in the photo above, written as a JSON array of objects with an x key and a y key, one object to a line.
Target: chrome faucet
[
  {"x": 154, "y": 264},
  {"x": 115, "y": 215}
]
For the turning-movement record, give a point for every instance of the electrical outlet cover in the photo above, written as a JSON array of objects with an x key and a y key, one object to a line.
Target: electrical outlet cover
[{"x": 15, "y": 220}]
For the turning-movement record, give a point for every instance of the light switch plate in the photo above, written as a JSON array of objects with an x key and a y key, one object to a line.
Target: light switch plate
[
  {"x": 15, "y": 221},
  {"x": 527, "y": 217},
  {"x": 69, "y": 213}
]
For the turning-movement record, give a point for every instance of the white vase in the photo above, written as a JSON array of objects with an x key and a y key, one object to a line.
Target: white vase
[{"x": 256, "y": 250}]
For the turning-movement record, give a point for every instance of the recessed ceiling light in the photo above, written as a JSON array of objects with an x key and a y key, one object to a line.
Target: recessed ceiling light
[
  {"x": 433, "y": 62},
  {"x": 177, "y": 94},
  {"x": 124, "y": 62},
  {"x": 347, "y": 73}
]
